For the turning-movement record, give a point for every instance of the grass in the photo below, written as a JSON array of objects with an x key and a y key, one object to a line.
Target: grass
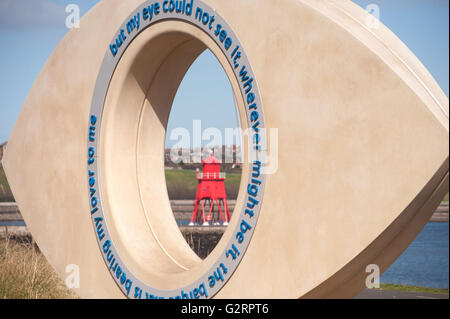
[
  {"x": 26, "y": 274},
  {"x": 408, "y": 288},
  {"x": 182, "y": 184},
  {"x": 5, "y": 190}
]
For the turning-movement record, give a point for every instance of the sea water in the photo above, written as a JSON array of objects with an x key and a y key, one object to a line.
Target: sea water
[{"x": 425, "y": 262}]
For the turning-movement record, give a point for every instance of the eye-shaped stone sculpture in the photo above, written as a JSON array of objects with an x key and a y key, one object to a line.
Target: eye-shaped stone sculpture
[{"x": 360, "y": 163}]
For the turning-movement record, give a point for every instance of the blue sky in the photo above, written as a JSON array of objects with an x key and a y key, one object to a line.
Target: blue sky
[{"x": 27, "y": 42}]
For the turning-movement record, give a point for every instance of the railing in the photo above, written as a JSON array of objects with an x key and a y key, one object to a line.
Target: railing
[{"x": 211, "y": 176}]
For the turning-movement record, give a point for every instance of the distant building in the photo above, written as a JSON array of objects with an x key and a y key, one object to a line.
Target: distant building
[
  {"x": 230, "y": 156},
  {"x": 2, "y": 150}
]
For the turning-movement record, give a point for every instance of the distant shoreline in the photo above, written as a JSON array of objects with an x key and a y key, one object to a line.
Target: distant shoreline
[
  {"x": 441, "y": 213},
  {"x": 9, "y": 212},
  {"x": 410, "y": 288},
  {"x": 391, "y": 291}
]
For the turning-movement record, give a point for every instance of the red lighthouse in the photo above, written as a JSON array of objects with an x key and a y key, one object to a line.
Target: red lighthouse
[{"x": 210, "y": 190}]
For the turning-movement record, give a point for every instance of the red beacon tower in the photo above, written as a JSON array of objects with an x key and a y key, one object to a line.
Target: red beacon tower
[{"x": 210, "y": 190}]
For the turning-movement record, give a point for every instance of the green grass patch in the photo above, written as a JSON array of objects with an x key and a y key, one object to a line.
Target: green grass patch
[
  {"x": 182, "y": 184},
  {"x": 3, "y": 180},
  {"x": 408, "y": 288},
  {"x": 5, "y": 190}
]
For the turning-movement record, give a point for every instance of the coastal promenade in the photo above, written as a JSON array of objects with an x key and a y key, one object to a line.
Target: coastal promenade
[{"x": 11, "y": 220}]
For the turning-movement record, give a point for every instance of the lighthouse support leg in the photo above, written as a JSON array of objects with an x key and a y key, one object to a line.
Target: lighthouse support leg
[
  {"x": 227, "y": 212},
  {"x": 224, "y": 220},
  {"x": 211, "y": 202},
  {"x": 194, "y": 214},
  {"x": 203, "y": 213}
]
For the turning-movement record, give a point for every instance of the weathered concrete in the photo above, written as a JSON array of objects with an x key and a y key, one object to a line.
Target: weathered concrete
[
  {"x": 201, "y": 239},
  {"x": 182, "y": 209}
]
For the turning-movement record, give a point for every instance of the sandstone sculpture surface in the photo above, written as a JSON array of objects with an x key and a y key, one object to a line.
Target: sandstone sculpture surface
[{"x": 362, "y": 150}]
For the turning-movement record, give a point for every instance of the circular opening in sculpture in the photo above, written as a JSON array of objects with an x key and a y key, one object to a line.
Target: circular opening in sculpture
[
  {"x": 131, "y": 155},
  {"x": 203, "y": 155}
]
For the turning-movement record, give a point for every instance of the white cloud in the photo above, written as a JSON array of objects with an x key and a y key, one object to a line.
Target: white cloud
[{"x": 31, "y": 14}]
